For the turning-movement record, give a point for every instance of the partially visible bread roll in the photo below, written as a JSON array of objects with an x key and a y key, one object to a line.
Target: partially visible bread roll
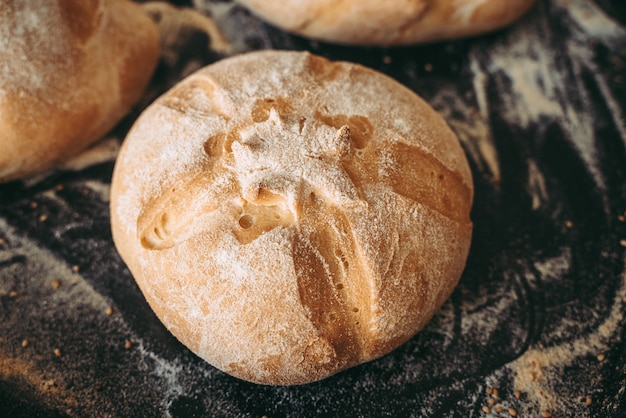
[
  {"x": 69, "y": 71},
  {"x": 288, "y": 217},
  {"x": 397, "y": 22}
]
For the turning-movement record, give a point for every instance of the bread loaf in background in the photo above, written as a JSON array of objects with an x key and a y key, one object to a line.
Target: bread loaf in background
[
  {"x": 288, "y": 217},
  {"x": 396, "y": 22},
  {"x": 69, "y": 71}
]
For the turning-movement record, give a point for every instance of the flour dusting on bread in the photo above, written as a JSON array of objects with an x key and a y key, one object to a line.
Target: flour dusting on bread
[
  {"x": 69, "y": 71},
  {"x": 284, "y": 222}
]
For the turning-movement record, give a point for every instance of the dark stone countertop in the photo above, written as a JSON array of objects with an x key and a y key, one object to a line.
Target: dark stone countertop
[{"x": 540, "y": 108}]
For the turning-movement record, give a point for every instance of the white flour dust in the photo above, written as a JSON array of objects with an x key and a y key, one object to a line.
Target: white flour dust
[{"x": 536, "y": 86}]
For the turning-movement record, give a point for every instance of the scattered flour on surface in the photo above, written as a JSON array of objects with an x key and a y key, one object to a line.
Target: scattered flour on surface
[
  {"x": 532, "y": 369},
  {"x": 525, "y": 66}
]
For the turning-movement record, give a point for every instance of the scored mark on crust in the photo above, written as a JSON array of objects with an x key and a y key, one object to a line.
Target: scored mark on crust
[
  {"x": 427, "y": 181},
  {"x": 198, "y": 96},
  {"x": 330, "y": 284},
  {"x": 360, "y": 128},
  {"x": 183, "y": 210}
]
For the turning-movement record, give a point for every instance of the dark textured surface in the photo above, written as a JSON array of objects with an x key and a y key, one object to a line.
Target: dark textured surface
[{"x": 541, "y": 111}]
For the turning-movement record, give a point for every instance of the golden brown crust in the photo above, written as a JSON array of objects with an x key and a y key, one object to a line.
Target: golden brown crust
[
  {"x": 71, "y": 71},
  {"x": 401, "y": 22},
  {"x": 284, "y": 222}
]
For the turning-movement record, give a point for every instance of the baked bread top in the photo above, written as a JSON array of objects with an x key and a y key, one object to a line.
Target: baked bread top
[
  {"x": 398, "y": 22},
  {"x": 288, "y": 217}
]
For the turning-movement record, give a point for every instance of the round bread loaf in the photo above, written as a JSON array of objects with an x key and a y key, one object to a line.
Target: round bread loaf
[
  {"x": 69, "y": 71},
  {"x": 288, "y": 217},
  {"x": 398, "y": 22}
]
